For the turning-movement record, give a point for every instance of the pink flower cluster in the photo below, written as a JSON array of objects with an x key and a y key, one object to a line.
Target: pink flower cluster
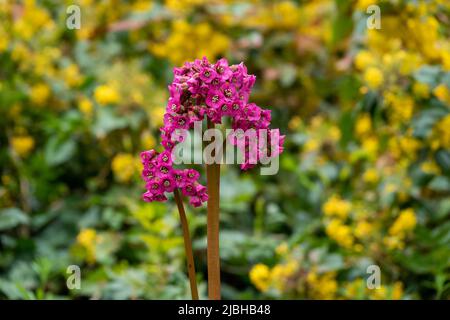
[
  {"x": 161, "y": 177},
  {"x": 200, "y": 88}
]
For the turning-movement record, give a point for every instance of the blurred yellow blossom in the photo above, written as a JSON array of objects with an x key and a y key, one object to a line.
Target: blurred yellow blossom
[
  {"x": 393, "y": 242},
  {"x": 106, "y": 94},
  {"x": 441, "y": 133},
  {"x": 85, "y": 106},
  {"x": 124, "y": 166},
  {"x": 282, "y": 249},
  {"x": 373, "y": 77},
  {"x": 295, "y": 123},
  {"x": 405, "y": 222},
  {"x": 280, "y": 274},
  {"x": 191, "y": 41},
  {"x": 430, "y": 167},
  {"x": 322, "y": 286},
  {"x": 364, "y": 59},
  {"x": 379, "y": 293},
  {"x": 421, "y": 90},
  {"x": 363, "y": 125},
  {"x": 371, "y": 176},
  {"x": 260, "y": 276},
  {"x": 22, "y": 145},
  {"x": 397, "y": 290},
  {"x": 87, "y": 239},
  {"x": 148, "y": 141},
  {"x": 340, "y": 233},
  {"x": 442, "y": 93},
  {"x": 363, "y": 229},
  {"x": 72, "y": 76},
  {"x": 370, "y": 145},
  {"x": 40, "y": 93},
  {"x": 335, "y": 206}
]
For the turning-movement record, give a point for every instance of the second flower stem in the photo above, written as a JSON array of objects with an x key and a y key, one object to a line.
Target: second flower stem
[{"x": 213, "y": 256}]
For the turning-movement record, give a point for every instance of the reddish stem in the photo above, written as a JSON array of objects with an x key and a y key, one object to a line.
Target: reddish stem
[
  {"x": 213, "y": 256},
  {"x": 187, "y": 245}
]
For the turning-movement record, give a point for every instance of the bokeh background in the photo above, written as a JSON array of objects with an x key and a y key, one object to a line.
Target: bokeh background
[{"x": 364, "y": 179}]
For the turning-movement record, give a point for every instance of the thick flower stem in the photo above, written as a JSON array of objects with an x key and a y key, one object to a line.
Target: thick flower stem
[
  {"x": 187, "y": 245},
  {"x": 213, "y": 257}
]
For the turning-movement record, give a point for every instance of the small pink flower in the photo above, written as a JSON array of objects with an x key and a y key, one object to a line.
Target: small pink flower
[
  {"x": 215, "y": 99},
  {"x": 208, "y": 74},
  {"x": 228, "y": 92},
  {"x": 223, "y": 70}
]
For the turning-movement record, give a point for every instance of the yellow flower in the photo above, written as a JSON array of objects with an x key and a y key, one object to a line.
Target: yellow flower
[
  {"x": 260, "y": 276},
  {"x": 363, "y": 229},
  {"x": 335, "y": 206},
  {"x": 189, "y": 41},
  {"x": 334, "y": 133},
  {"x": 363, "y": 125},
  {"x": 322, "y": 286},
  {"x": 85, "y": 106},
  {"x": 148, "y": 140},
  {"x": 340, "y": 233},
  {"x": 295, "y": 123},
  {"x": 39, "y": 94},
  {"x": 364, "y": 4},
  {"x": 87, "y": 238},
  {"x": 124, "y": 166},
  {"x": 22, "y": 145},
  {"x": 157, "y": 116},
  {"x": 355, "y": 288},
  {"x": 402, "y": 106},
  {"x": 442, "y": 93},
  {"x": 282, "y": 249},
  {"x": 421, "y": 90},
  {"x": 280, "y": 274},
  {"x": 393, "y": 243},
  {"x": 311, "y": 145},
  {"x": 397, "y": 291},
  {"x": 379, "y": 293},
  {"x": 405, "y": 222},
  {"x": 441, "y": 133},
  {"x": 72, "y": 75},
  {"x": 445, "y": 56},
  {"x": 106, "y": 94},
  {"x": 142, "y": 5},
  {"x": 4, "y": 40},
  {"x": 286, "y": 14},
  {"x": 364, "y": 59},
  {"x": 370, "y": 146},
  {"x": 430, "y": 167},
  {"x": 373, "y": 77},
  {"x": 371, "y": 176}
]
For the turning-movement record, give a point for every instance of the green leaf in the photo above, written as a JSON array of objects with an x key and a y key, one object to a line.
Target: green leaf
[
  {"x": 440, "y": 184},
  {"x": 428, "y": 75},
  {"x": 107, "y": 121},
  {"x": 57, "y": 151},
  {"x": 424, "y": 121},
  {"x": 443, "y": 160},
  {"x": 11, "y": 218}
]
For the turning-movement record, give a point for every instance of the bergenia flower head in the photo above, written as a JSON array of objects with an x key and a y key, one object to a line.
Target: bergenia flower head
[
  {"x": 216, "y": 90},
  {"x": 160, "y": 177}
]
